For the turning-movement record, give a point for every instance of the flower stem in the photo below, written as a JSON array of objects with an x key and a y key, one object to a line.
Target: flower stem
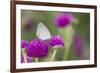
[
  {"x": 68, "y": 38},
  {"x": 54, "y": 54},
  {"x": 36, "y": 59},
  {"x": 66, "y": 53},
  {"x": 24, "y": 55}
]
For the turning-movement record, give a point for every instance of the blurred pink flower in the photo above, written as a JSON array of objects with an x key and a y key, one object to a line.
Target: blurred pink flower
[{"x": 63, "y": 19}]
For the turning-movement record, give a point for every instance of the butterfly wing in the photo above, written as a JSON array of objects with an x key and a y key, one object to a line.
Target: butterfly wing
[{"x": 43, "y": 32}]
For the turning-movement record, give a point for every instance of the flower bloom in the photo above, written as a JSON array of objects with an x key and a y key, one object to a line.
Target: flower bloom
[
  {"x": 28, "y": 59},
  {"x": 37, "y": 48},
  {"x": 24, "y": 44},
  {"x": 63, "y": 19},
  {"x": 57, "y": 40},
  {"x": 27, "y": 22},
  {"x": 28, "y": 25},
  {"x": 78, "y": 44}
]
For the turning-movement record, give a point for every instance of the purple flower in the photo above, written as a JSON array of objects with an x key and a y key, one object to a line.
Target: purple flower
[
  {"x": 37, "y": 48},
  {"x": 24, "y": 44},
  {"x": 29, "y": 24},
  {"x": 78, "y": 45},
  {"x": 63, "y": 19},
  {"x": 28, "y": 59},
  {"x": 57, "y": 40}
]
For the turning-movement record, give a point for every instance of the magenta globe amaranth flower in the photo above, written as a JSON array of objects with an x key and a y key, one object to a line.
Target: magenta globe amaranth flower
[
  {"x": 37, "y": 48},
  {"x": 63, "y": 19},
  {"x": 56, "y": 40},
  {"x": 24, "y": 44}
]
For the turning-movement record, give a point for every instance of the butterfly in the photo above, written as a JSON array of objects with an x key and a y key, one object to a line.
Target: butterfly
[{"x": 43, "y": 32}]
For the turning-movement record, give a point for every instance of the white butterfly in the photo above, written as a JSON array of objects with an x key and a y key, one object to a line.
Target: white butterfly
[{"x": 43, "y": 32}]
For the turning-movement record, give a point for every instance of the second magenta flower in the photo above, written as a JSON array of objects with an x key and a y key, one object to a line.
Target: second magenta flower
[{"x": 57, "y": 40}]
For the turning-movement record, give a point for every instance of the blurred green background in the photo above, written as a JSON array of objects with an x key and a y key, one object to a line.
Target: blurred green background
[{"x": 81, "y": 25}]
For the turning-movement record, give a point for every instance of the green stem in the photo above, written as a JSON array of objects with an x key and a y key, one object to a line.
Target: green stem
[
  {"x": 24, "y": 55},
  {"x": 36, "y": 59},
  {"x": 67, "y": 40},
  {"x": 54, "y": 54},
  {"x": 66, "y": 53}
]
